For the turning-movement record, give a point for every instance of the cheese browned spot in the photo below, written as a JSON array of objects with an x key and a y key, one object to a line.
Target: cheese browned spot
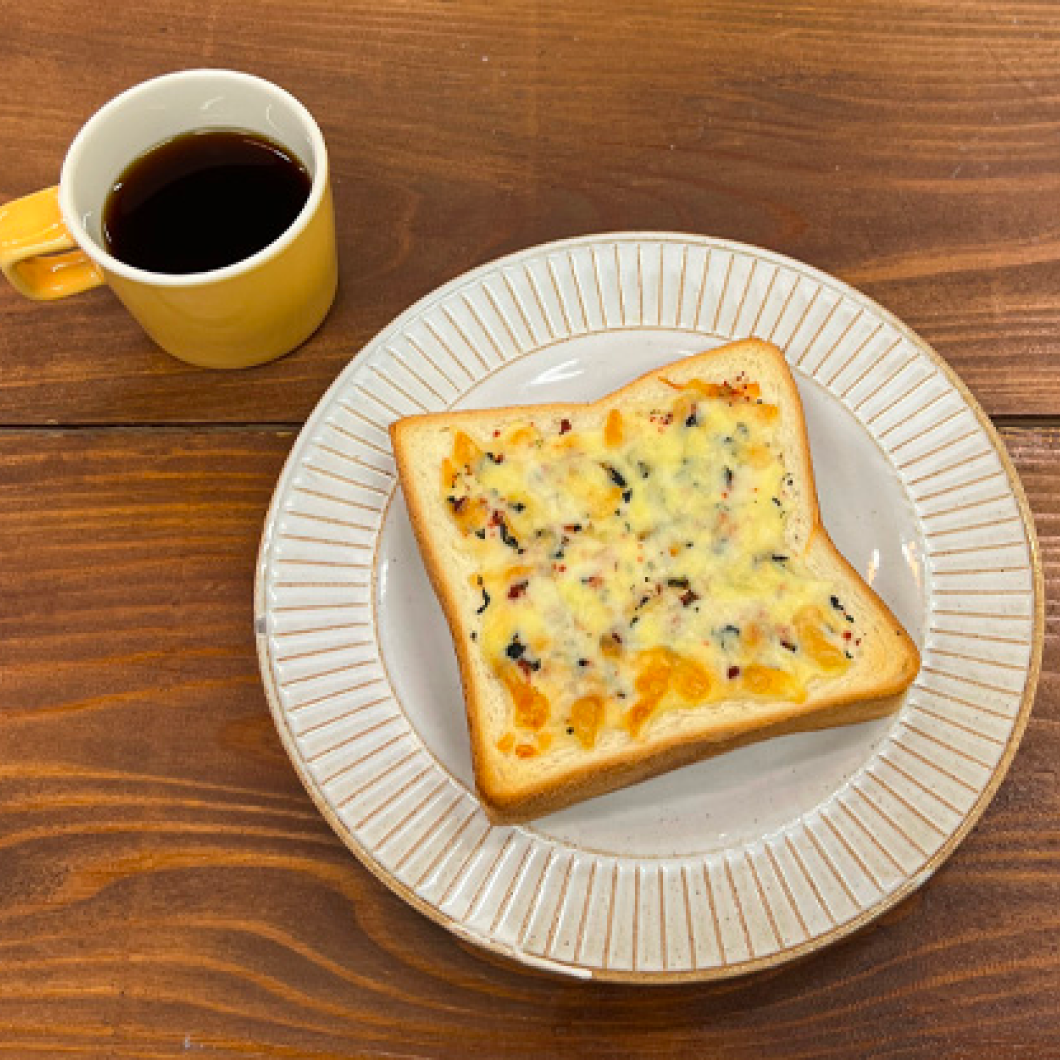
[{"x": 640, "y": 567}]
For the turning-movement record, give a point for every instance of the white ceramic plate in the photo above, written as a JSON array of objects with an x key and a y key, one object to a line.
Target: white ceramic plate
[{"x": 733, "y": 864}]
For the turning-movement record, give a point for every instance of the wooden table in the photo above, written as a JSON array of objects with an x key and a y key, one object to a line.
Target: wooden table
[{"x": 166, "y": 886}]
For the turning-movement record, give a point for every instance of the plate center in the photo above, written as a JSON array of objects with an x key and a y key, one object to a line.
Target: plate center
[{"x": 723, "y": 802}]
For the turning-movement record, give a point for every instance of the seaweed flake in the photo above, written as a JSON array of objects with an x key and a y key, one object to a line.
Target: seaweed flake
[{"x": 506, "y": 535}]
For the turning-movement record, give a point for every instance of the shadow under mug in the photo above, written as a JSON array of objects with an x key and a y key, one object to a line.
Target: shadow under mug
[{"x": 258, "y": 309}]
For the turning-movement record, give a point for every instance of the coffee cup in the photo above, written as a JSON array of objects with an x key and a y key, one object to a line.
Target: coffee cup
[{"x": 53, "y": 243}]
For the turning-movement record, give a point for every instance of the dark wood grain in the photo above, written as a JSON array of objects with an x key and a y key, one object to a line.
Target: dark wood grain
[
  {"x": 908, "y": 148},
  {"x": 168, "y": 889}
]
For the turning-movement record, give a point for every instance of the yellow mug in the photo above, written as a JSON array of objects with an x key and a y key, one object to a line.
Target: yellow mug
[{"x": 51, "y": 242}]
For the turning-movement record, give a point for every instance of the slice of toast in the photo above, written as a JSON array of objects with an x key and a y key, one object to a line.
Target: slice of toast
[{"x": 641, "y": 582}]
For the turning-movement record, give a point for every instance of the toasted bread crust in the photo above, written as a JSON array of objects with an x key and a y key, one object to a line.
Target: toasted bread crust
[{"x": 539, "y": 793}]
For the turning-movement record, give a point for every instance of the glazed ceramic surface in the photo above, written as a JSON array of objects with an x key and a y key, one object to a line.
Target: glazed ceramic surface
[
  {"x": 247, "y": 313},
  {"x": 735, "y": 863}
]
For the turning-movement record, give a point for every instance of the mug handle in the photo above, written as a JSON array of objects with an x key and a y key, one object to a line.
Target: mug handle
[{"x": 37, "y": 254}]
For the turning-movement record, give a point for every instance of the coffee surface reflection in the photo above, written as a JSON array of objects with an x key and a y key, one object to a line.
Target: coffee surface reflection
[{"x": 202, "y": 201}]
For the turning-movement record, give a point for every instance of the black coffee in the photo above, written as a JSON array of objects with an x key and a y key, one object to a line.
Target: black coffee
[{"x": 202, "y": 201}]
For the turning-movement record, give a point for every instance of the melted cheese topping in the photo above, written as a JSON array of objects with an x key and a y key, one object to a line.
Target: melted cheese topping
[{"x": 640, "y": 567}]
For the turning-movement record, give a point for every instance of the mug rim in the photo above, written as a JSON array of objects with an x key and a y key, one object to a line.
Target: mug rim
[{"x": 109, "y": 263}]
